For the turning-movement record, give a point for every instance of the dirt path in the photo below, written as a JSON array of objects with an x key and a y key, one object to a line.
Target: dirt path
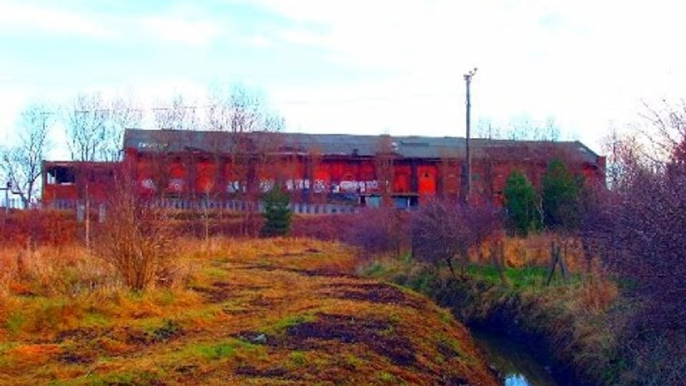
[{"x": 295, "y": 316}]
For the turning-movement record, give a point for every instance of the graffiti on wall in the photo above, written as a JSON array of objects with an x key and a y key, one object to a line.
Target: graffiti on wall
[
  {"x": 317, "y": 186},
  {"x": 175, "y": 184}
]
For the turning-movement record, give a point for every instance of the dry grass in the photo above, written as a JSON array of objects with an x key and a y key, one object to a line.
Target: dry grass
[
  {"x": 250, "y": 312},
  {"x": 52, "y": 271},
  {"x": 576, "y": 318},
  {"x": 534, "y": 251}
]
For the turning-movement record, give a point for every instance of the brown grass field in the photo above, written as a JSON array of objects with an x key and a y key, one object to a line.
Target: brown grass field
[{"x": 257, "y": 312}]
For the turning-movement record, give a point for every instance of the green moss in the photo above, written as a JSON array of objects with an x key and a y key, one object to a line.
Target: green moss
[
  {"x": 518, "y": 278},
  {"x": 94, "y": 318},
  {"x": 217, "y": 351},
  {"x": 168, "y": 298},
  {"x": 298, "y": 358},
  {"x": 353, "y": 361},
  {"x": 386, "y": 377},
  {"x": 214, "y": 272},
  {"x": 292, "y": 320},
  {"x": 445, "y": 316},
  {"x": 376, "y": 269},
  {"x": 423, "y": 281},
  {"x": 15, "y": 322},
  {"x": 133, "y": 378}
]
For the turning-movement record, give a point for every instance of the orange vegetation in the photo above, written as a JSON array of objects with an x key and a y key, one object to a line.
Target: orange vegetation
[{"x": 253, "y": 312}]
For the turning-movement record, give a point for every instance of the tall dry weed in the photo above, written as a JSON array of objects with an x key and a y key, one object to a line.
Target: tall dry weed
[
  {"x": 50, "y": 271},
  {"x": 136, "y": 238}
]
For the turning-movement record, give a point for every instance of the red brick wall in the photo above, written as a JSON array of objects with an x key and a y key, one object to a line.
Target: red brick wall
[{"x": 352, "y": 175}]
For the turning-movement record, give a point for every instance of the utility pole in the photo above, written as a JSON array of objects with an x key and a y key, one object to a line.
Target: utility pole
[
  {"x": 7, "y": 198},
  {"x": 468, "y": 175}
]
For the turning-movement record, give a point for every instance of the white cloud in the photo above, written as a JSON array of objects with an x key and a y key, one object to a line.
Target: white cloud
[
  {"x": 260, "y": 41},
  {"x": 178, "y": 29},
  {"x": 18, "y": 17},
  {"x": 587, "y": 63},
  {"x": 176, "y": 25}
]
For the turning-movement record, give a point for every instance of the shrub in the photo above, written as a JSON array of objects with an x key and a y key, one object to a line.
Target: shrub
[
  {"x": 277, "y": 213},
  {"x": 136, "y": 237},
  {"x": 379, "y": 230},
  {"x": 638, "y": 230},
  {"x": 521, "y": 205},
  {"x": 35, "y": 227},
  {"x": 443, "y": 230},
  {"x": 560, "y": 194},
  {"x": 323, "y": 226}
]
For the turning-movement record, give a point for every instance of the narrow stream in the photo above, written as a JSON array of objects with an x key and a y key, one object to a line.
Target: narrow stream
[{"x": 513, "y": 361}]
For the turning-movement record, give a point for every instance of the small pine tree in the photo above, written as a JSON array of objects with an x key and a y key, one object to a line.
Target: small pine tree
[
  {"x": 277, "y": 214},
  {"x": 561, "y": 195},
  {"x": 521, "y": 205}
]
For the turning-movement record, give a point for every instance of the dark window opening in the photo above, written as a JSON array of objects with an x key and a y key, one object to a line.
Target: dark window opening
[{"x": 61, "y": 175}]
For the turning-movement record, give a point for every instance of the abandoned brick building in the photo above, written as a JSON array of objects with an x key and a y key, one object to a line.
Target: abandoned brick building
[{"x": 351, "y": 170}]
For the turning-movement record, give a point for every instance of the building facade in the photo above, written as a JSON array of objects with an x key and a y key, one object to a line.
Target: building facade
[{"x": 351, "y": 170}]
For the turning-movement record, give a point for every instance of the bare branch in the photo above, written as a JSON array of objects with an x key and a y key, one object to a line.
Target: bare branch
[{"x": 21, "y": 163}]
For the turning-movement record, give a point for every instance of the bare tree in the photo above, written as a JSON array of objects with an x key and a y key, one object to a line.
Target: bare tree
[
  {"x": 244, "y": 113},
  {"x": 637, "y": 231},
  {"x": 219, "y": 111},
  {"x": 485, "y": 128},
  {"x": 86, "y": 126},
  {"x": 666, "y": 129},
  {"x": 241, "y": 110},
  {"x": 385, "y": 155},
  {"x": 521, "y": 129},
  {"x": 21, "y": 163},
  {"x": 623, "y": 155},
  {"x": 550, "y": 131},
  {"x": 124, "y": 113},
  {"x": 176, "y": 114}
]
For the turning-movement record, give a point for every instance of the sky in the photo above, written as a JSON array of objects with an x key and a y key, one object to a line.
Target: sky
[{"x": 353, "y": 66}]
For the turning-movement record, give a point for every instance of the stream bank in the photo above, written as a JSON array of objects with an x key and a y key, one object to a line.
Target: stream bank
[
  {"x": 570, "y": 340},
  {"x": 513, "y": 362}
]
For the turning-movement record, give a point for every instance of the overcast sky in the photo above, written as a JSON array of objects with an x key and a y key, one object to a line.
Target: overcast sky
[{"x": 356, "y": 66}]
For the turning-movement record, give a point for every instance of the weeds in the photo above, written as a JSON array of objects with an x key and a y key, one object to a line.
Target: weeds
[
  {"x": 285, "y": 315},
  {"x": 572, "y": 317},
  {"x": 298, "y": 358},
  {"x": 168, "y": 330}
]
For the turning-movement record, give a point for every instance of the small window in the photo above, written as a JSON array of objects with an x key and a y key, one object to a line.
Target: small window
[{"x": 61, "y": 175}]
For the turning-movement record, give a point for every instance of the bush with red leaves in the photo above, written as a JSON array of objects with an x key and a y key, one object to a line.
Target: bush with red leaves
[
  {"x": 444, "y": 230},
  {"x": 639, "y": 231},
  {"x": 37, "y": 227},
  {"x": 379, "y": 230}
]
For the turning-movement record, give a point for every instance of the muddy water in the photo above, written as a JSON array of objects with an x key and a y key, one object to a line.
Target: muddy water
[{"x": 512, "y": 360}]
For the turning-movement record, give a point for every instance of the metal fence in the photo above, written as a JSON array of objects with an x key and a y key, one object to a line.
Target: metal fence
[
  {"x": 228, "y": 205},
  {"x": 11, "y": 203}
]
